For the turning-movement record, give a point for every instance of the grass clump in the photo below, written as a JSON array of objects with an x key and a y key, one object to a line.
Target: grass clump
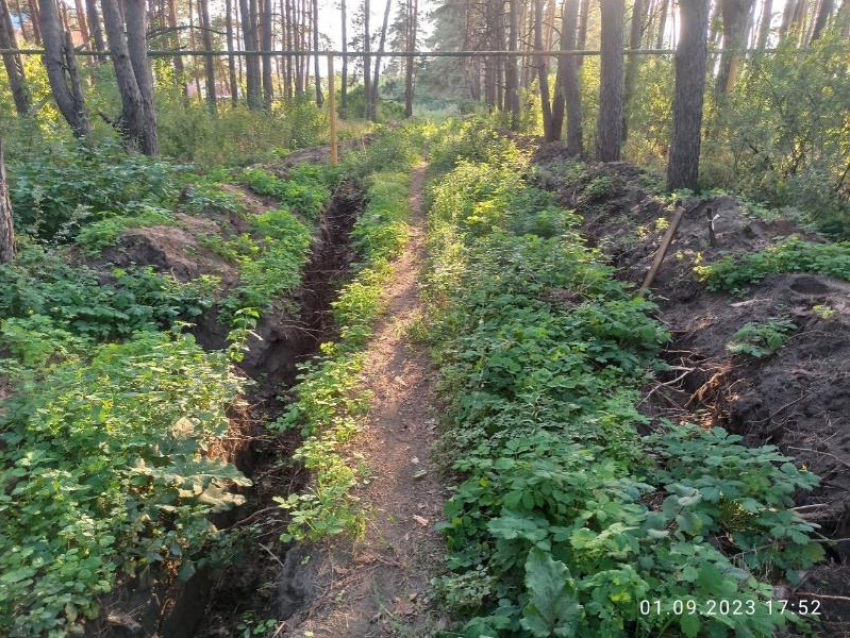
[
  {"x": 735, "y": 273},
  {"x": 565, "y": 517},
  {"x": 96, "y": 236}
]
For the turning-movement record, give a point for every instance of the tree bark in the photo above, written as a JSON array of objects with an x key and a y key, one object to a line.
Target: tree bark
[
  {"x": 571, "y": 82},
  {"x": 412, "y": 27},
  {"x": 319, "y": 97},
  {"x": 764, "y": 25},
  {"x": 543, "y": 73},
  {"x": 635, "y": 33},
  {"x": 209, "y": 61},
  {"x": 252, "y": 63},
  {"x": 231, "y": 59},
  {"x": 609, "y": 130},
  {"x": 581, "y": 43},
  {"x": 662, "y": 24},
  {"x": 373, "y": 102},
  {"x": 136, "y": 121},
  {"x": 735, "y": 13},
  {"x": 174, "y": 41},
  {"x": 35, "y": 21},
  {"x": 81, "y": 20},
  {"x": 265, "y": 27},
  {"x": 62, "y": 71},
  {"x": 137, "y": 46},
  {"x": 825, "y": 10},
  {"x": 94, "y": 28},
  {"x": 511, "y": 70},
  {"x": 690, "y": 63},
  {"x": 367, "y": 61},
  {"x": 12, "y": 62},
  {"x": 7, "y": 224},
  {"x": 343, "y": 98}
]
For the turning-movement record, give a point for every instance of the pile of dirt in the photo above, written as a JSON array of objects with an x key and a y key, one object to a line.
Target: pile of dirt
[{"x": 798, "y": 398}]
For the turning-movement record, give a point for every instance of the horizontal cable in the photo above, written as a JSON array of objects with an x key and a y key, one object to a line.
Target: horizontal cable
[{"x": 412, "y": 54}]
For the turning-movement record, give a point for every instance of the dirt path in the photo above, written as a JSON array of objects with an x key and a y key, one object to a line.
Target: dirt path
[{"x": 377, "y": 586}]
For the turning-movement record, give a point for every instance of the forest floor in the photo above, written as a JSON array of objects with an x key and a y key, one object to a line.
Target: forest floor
[{"x": 377, "y": 585}]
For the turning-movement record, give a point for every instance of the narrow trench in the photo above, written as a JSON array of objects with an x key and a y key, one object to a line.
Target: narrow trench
[{"x": 213, "y": 604}]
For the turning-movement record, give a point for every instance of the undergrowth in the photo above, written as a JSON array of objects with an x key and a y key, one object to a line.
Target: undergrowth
[
  {"x": 101, "y": 471},
  {"x": 566, "y": 520},
  {"x": 329, "y": 403},
  {"x": 735, "y": 272}
]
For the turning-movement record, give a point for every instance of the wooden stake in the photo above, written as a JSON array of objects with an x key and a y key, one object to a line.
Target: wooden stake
[
  {"x": 332, "y": 107},
  {"x": 662, "y": 249}
]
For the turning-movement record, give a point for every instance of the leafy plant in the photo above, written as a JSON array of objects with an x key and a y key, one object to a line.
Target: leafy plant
[
  {"x": 734, "y": 273},
  {"x": 102, "y": 473},
  {"x": 760, "y": 339},
  {"x": 564, "y": 515}
]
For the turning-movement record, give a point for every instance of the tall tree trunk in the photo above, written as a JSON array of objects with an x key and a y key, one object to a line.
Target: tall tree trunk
[
  {"x": 209, "y": 61},
  {"x": 231, "y": 59},
  {"x": 7, "y": 224},
  {"x": 81, "y": 20},
  {"x": 194, "y": 45},
  {"x": 373, "y": 102},
  {"x": 12, "y": 62},
  {"x": 285, "y": 35},
  {"x": 412, "y": 27},
  {"x": 542, "y": 73},
  {"x": 662, "y": 24},
  {"x": 137, "y": 46},
  {"x": 609, "y": 130},
  {"x": 764, "y": 25},
  {"x": 825, "y": 10},
  {"x": 319, "y": 97},
  {"x": 690, "y": 62},
  {"x": 635, "y": 33},
  {"x": 571, "y": 82},
  {"x": 367, "y": 62},
  {"x": 94, "y": 28},
  {"x": 35, "y": 21},
  {"x": 252, "y": 63},
  {"x": 343, "y": 98},
  {"x": 511, "y": 70},
  {"x": 268, "y": 87},
  {"x": 62, "y": 70},
  {"x": 584, "y": 17},
  {"x": 787, "y": 17},
  {"x": 174, "y": 41},
  {"x": 136, "y": 121},
  {"x": 735, "y": 13}
]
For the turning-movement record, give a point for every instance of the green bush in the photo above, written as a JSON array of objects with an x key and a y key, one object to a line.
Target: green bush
[
  {"x": 760, "y": 339},
  {"x": 55, "y": 189},
  {"x": 735, "y": 272},
  {"x": 76, "y": 297},
  {"x": 565, "y": 517},
  {"x": 102, "y": 474},
  {"x": 97, "y": 235}
]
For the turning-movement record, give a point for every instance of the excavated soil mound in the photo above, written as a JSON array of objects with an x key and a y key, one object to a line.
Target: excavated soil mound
[{"x": 798, "y": 398}]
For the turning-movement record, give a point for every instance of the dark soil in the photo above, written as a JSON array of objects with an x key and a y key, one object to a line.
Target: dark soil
[
  {"x": 288, "y": 334},
  {"x": 797, "y": 399}
]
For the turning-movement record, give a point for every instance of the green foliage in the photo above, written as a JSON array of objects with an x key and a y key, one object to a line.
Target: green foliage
[
  {"x": 736, "y": 272},
  {"x": 271, "y": 263},
  {"x": 760, "y": 339},
  {"x": 236, "y": 136},
  {"x": 541, "y": 352},
  {"x": 41, "y": 283},
  {"x": 97, "y": 235},
  {"x": 54, "y": 190},
  {"x": 102, "y": 473},
  {"x": 306, "y": 190},
  {"x": 330, "y": 403}
]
